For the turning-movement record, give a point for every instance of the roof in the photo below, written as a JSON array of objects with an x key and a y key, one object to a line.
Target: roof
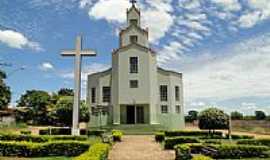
[
  {"x": 135, "y": 8},
  {"x": 134, "y": 45},
  {"x": 102, "y": 72},
  {"x": 144, "y": 31},
  {"x": 170, "y": 71}
]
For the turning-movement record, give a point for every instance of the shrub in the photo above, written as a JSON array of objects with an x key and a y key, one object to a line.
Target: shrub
[
  {"x": 212, "y": 141},
  {"x": 96, "y": 132},
  {"x": 159, "y": 136},
  {"x": 191, "y": 133},
  {"x": 171, "y": 142},
  {"x": 117, "y": 135},
  {"x": 265, "y": 142},
  {"x": 183, "y": 152},
  {"x": 225, "y": 151},
  {"x": 55, "y": 131},
  {"x": 98, "y": 151},
  {"x": 28, "y": 149},
  {"x": 39, "y": 139},
  {"x": 201, "y": 157},
  {"x": 238, "y": 151},
  {"x": 240, "y": 136},
  {"x": 25, "y": 132}
]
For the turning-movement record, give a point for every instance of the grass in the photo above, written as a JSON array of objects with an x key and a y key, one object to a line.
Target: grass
[{"x": 44, "y": 158}]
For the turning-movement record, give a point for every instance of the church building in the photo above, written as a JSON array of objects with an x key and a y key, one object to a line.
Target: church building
[{"x": 135, "y": 90}]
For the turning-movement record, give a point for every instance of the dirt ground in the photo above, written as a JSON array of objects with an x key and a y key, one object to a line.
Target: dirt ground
[{"x": 140, "y": 148}]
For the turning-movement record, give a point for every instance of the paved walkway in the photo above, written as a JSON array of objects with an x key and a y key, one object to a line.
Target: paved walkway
[{"x": 139, "y": 148}]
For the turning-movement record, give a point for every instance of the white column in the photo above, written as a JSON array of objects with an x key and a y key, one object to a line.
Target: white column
[{"x": 77, "y": 77}]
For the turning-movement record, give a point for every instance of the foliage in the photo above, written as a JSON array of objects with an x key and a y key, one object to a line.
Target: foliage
[
  {"x": 260, "y": 115},
  {"x": 159, "y": 136},
  {"x": 265, "y": 142},
  {"x": 183, "y": 152},
  {"x": 191, "y": 133},
  {"x": 223, "y": 151},
  {"x": 39, "y": 139},
  {"x": 212, "y": 119},
  {"x": 237, "y": 115},
  {"x": 171, "y": 142},
  {"x": 26, "y": 132},
  {"x": 37, "y": 101},
  {"x": 201, "y": 157},
  {"x": 63, "y": 110},
  {"x": 65, "y": 92},
  {"x": 56, "y": 148},
  {"x": 96, "y": 132},
  {"x": 193, "y": 115},
  {"x": 84, "y": 112},
  {"x": 5, "y": 93},
  {"x": 98, "y": 151},
  {"x": 117, "y": 135}
]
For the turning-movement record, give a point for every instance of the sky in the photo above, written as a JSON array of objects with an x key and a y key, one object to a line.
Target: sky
[{"x": 222, "y": 47}]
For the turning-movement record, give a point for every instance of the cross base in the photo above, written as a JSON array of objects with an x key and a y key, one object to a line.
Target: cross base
[{"x": 75, "y": 131}]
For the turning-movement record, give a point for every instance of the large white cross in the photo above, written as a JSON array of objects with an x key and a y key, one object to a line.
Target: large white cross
[{"x": 78, "y": 53}]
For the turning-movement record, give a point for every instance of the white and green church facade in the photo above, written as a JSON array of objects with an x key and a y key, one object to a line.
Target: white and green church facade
[{"x": 135, "y": 90}]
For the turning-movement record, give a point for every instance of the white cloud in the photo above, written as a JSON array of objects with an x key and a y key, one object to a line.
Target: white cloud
[
  {"x": 17, "y": 40},
  {"x": 115, "y": 12},
  {"x": 228, "y": 5},
  {"x": 46, "y": 66},
  {"x": 241, "y": 70}
]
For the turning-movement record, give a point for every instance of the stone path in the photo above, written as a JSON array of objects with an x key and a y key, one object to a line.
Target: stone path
[{"x": 139, "y": 148}]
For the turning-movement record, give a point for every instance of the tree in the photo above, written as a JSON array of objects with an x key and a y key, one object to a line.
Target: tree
[
  {"x": 260, "y": 115},
  {"x": 64, "y": 108},
  {"x": 5, "y": 93},
  {"x": 193, "y": 115},
  {"x": 212, "y": 119},
  {"x": 237, "y": 115},
  {"x": 65, "y": 92},
  {"x": 37, "y": 101}
]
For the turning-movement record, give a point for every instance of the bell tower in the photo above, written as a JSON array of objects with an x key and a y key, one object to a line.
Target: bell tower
[
  {"x": 134, "y": 33},
  {"x": 133, "y": 15}
]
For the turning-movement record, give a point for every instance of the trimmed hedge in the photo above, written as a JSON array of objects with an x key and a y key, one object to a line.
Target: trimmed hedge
[
  {"x": 55, "y": 131},
  {"x": 28, "y": 149},
  {"x": 117, "y": 135},
  {"x": 159, "y": 136},
  {"x": 171, "y": 142},
  {"x": 98, "y": 151},
  {"x": 221, "y": 151},
  {"x": 234, "y": 136},
  {"x": 96, "y": 132},
  {"x": 39, "y": 139},
  {"x": 191, "y": 133},
  {"x": 201, "y": 157},
  {"x": 265, "y": 142}
]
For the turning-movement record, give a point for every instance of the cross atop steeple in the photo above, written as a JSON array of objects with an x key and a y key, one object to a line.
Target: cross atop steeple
[{"x": 133, "y": 2}]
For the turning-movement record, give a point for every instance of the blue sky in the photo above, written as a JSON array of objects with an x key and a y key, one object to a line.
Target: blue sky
[{"x": 221, "y": 46}]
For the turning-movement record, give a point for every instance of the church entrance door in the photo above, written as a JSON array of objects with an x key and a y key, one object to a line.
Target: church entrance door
[
  {"x": 140, "y": 114},
  {"x": 130, "y": 114}
]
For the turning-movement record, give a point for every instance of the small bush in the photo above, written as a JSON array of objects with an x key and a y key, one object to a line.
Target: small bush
[
  {"x": 238, "y": 151},
  {"x": 191, "y": 133},
  {"x": 171, "y": 142},
  {"x": 117, "y": 135},
  {"x": 212, "y": 141},
  {"x": 55, "y": 131},
  {"x": 26, "y": 132},
  {"x": 265, "y": 142},
  {"x": 225, "y": 151},
  {"x": 39, "y": 139},
  {"x": 201, "y": 157},
  {"x": 28, "y": 149},
  {"x": 183, "y": 152},
  {"x": 159, "y": 136},
  {"x": 96, "y": 132},
  {"x": 234, "y": 136},
  {"x": 98, "y": 151}
]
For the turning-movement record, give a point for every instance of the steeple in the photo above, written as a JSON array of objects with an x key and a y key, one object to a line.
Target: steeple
[{"x": 133, "y": 15}]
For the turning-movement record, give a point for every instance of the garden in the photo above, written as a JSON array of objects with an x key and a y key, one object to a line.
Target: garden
[
  {"x": 93, "y": 146},
  {"x": 210, "y": 144}
]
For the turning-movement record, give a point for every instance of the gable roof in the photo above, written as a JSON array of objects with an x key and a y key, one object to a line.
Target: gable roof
[{"x": 133, "y": 45}]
